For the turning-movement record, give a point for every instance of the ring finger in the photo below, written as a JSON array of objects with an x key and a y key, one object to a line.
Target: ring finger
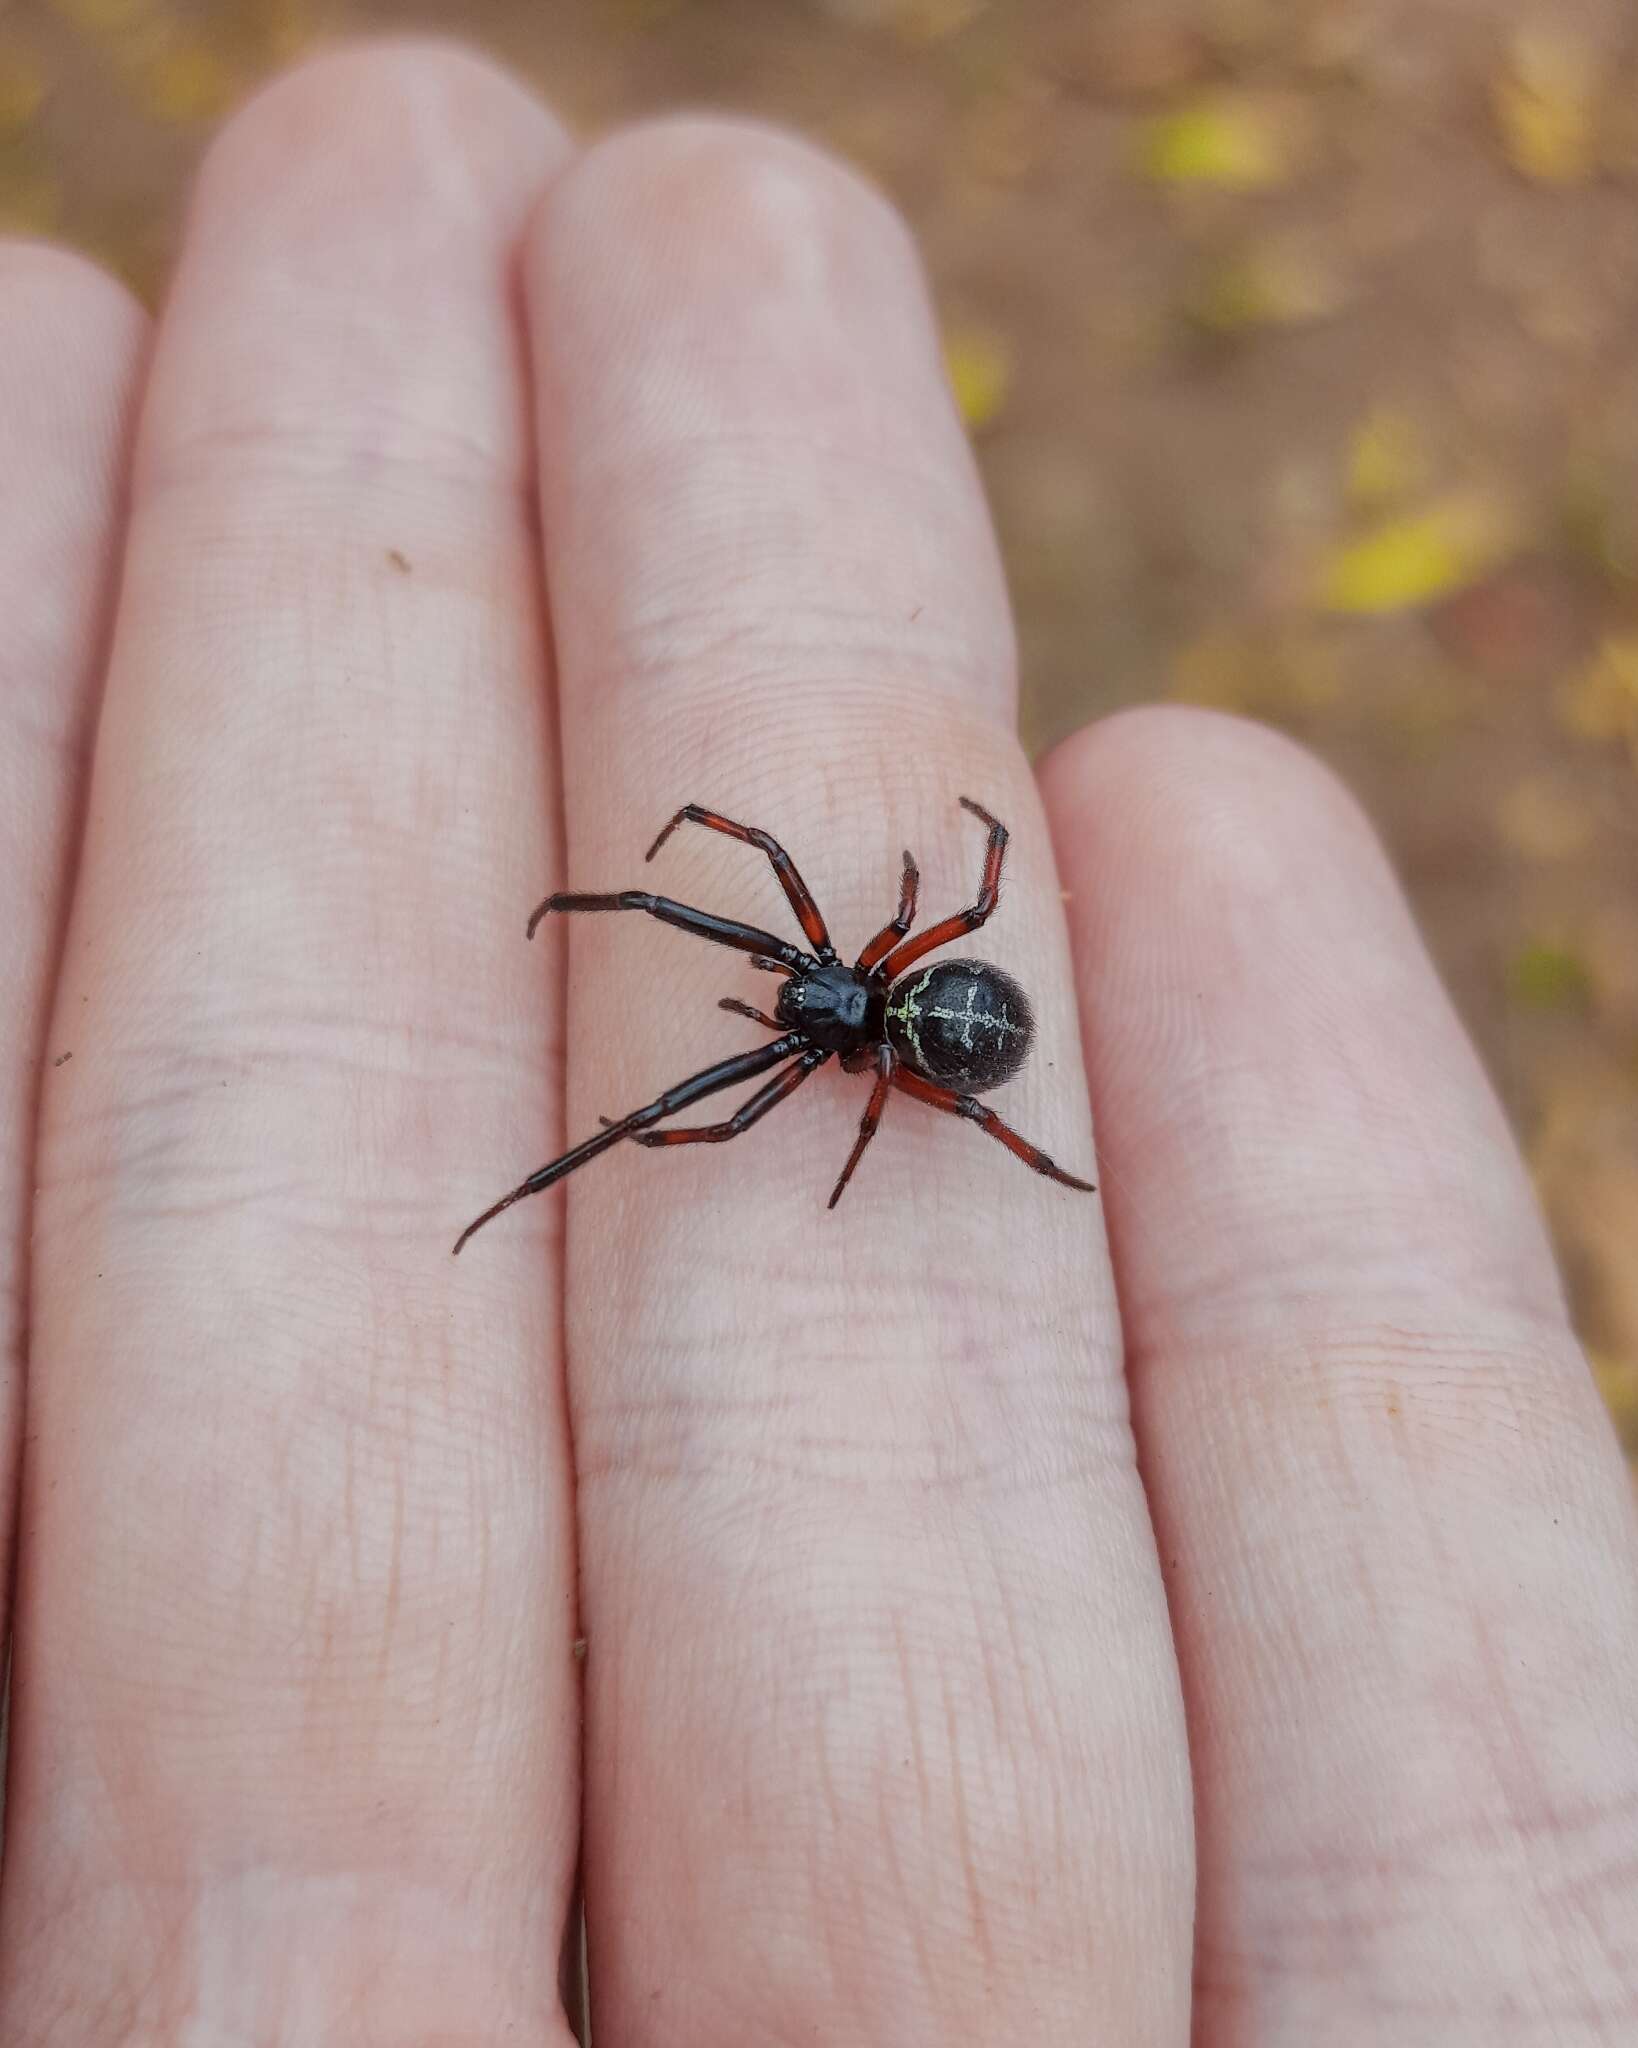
[{"x": 294, "y": 1711}]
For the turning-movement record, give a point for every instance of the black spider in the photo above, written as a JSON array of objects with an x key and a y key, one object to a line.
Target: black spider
[{"x": 940, "y": 1035}]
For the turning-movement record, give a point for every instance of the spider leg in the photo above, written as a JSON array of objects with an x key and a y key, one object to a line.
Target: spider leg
[
  {"x": 740, "y": 1009},
  {"x": 974, "y": 1111},
  {"x": 886, "y": 1061},
  {"x": 749, "y": 1112},
  {"x": 721, "y": 931},
  {"x": 882, "y": 943},
  {"x": 723, "y": 1075},
  {"x": 797, "y": 893},
  {"x": 964, "y": 921}
]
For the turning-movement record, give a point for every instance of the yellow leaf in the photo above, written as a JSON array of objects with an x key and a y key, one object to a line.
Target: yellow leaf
[
  {"x": 979, "y": 365},
  {"x": 1545, "y": 104},
  {"x": 1387, "y": 463},
  {"x": 1402, "y": 563},
  {"x": 1277, "y": 283},
  {"x": 1544, "y": 820},
  {"x": 1239, "y": 142},
  {"x": 1280, "y": 675},
  {"x": 1602, "y": 702},
  {"x": 1545, "y": 976}
]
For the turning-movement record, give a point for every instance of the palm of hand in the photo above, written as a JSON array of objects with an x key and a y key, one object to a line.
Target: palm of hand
[{"x": 970, "y": 1653}]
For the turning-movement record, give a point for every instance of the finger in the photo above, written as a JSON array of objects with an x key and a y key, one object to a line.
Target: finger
[
  {"x": 70, "y": 349},
  {"x": 1399, "y": 1543},
  {"x": 295, "y": 1717},
  {"x": 882, "y": 1736}
]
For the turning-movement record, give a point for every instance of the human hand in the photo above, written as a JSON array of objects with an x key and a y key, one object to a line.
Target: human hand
[{"x": 969, "y": 1659}]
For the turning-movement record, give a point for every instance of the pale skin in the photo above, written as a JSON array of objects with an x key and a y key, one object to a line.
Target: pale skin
[{"x": 1204, "y": 1612}]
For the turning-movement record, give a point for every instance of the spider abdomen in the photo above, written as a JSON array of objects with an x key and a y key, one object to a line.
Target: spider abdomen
[{"x": 962, "y": 1023}]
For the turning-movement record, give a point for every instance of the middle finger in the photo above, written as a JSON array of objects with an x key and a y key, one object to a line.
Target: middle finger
[{"x": 883, "y": 1733}]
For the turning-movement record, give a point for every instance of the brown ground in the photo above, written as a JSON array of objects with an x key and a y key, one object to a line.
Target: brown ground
[{"x": 1300, "y": 339}]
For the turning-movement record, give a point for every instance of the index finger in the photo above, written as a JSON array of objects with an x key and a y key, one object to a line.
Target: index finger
[{"x": 1399, "y": 1540}]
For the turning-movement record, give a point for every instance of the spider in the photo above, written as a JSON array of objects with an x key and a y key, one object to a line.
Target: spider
[{"x": 940, "y": 1035}]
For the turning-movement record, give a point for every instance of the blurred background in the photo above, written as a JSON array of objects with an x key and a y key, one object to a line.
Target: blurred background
[{"x": 1299, "y": 342}]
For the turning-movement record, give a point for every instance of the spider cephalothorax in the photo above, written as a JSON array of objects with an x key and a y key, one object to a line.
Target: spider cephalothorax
[{"x": 941, "y": 1033}]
